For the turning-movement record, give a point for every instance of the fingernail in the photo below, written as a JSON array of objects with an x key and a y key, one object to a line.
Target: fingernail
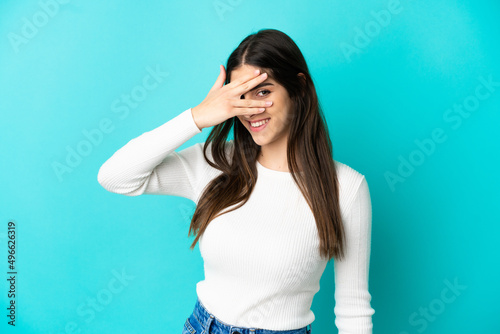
[
  {"x": 257, "y": 71},
  {"x": 268, "y": 103},
  {"x": 262, "y": 109}
]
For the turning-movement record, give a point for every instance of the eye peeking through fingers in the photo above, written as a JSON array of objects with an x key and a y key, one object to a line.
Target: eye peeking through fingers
[{"x": 264, "y": 91}]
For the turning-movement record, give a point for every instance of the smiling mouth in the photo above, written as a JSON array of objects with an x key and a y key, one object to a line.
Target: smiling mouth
[{"x": 258, "y": 123}]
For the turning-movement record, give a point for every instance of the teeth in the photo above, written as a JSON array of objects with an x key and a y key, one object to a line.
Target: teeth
[{"x": 257, "y": 124}]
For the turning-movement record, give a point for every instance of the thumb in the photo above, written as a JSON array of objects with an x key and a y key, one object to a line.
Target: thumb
[{"x": 220, "y": 79}]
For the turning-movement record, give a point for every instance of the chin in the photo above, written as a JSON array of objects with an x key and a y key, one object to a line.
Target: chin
[{"x": 260, "y": 141}]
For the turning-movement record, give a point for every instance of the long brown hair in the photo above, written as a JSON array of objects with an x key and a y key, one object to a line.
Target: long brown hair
[{"x": 309, "y": 144}]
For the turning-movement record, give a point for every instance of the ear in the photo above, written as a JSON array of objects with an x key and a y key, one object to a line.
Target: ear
[{"x": 302, "y": 78}]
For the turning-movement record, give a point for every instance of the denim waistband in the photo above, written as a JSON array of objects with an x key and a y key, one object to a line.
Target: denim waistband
[{"x": 209, "y": 321}]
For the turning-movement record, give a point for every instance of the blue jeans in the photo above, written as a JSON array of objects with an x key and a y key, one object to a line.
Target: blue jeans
[{"x": 203, "y": 322}]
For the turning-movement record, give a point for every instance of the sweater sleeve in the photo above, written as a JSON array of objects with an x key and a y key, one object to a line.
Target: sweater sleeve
[
  {"x": 148, "y": 164},
  {"x": 352, "y": 299}
]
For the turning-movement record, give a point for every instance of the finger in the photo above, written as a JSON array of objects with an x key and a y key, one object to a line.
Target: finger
[
  {"x": 220, "y": 79},
  {"x": 249, "y": 103},
  {"x": 248, "y": 85},
  {"x": 248, "y": 111},
  {"x": 244, "y": 78}
]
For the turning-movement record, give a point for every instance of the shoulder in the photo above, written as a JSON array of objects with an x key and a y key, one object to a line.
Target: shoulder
[{"x": 350, "y": 182}]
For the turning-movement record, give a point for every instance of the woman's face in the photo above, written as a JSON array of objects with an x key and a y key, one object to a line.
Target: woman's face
[{"x": 276, "y": 129}]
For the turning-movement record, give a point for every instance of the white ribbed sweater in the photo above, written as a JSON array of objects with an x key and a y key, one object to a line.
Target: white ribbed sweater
[{"x": 261, "y": 261}]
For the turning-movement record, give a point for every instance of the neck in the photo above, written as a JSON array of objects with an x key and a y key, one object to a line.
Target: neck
[{"x": 273, "y": 155}]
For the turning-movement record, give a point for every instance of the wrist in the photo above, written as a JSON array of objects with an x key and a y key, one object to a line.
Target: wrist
[{"x": 194, "y": 112}]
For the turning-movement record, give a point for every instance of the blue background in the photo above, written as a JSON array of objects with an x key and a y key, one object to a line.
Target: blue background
[{"x": 436, "y": 226}]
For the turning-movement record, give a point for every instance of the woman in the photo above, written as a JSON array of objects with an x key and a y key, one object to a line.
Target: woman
[{"x": 272, "y": 205}]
